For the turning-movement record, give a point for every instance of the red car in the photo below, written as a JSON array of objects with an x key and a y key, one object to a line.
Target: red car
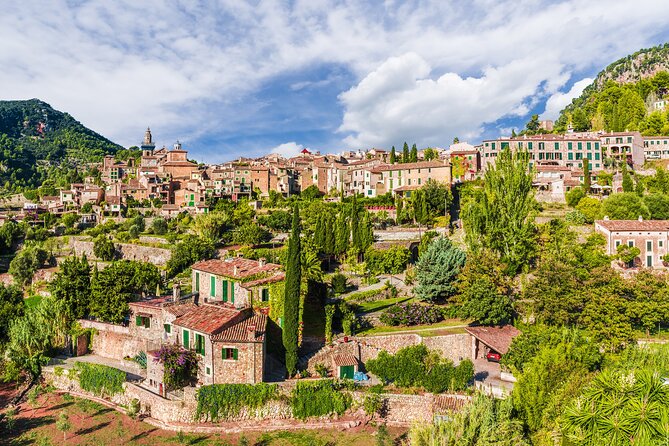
[{"x": 493, "y": 357}]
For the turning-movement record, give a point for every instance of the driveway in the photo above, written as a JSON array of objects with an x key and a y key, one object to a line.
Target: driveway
[
  {"x": 133, "y": 371},
  {"x": 487, "y": 378}
]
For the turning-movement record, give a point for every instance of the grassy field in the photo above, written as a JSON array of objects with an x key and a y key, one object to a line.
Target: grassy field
[
  {"x": 94, "y": 424},
  {"x": 449, "y": 326},
  {"x": 378, "y": 305}
]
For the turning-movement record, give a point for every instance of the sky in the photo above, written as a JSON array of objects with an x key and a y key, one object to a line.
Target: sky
[{"x": 232, "y": 78}]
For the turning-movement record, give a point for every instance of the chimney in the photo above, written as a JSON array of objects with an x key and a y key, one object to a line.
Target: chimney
[
  {"x": 234, "y": 271},
  {"x": 176, "y": 291},
  {"x": 262, "y": 261},
  {"x": 640, "y": 218},
  {"x": 252, "y": 332}
]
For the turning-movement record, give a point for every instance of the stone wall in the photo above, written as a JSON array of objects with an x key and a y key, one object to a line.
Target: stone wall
[
  {"x": 128, "y": 251},
  {"x": 400, "y": 409},
  {"x": 455, "y": 347},
  {"x": 115, "y": 341}
]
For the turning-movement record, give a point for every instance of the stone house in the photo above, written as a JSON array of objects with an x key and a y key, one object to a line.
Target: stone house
[
  {"x": 650, "y": 236},
  {"x": 242, "y": 283}
]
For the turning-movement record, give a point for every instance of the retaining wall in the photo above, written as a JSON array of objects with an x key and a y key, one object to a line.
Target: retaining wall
[{"x": 128, "y": 251}]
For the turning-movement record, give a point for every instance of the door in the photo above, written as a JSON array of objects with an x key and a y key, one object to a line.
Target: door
[{"x": 346, "y": 371}]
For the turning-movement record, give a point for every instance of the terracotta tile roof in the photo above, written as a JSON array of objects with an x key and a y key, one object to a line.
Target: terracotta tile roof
[
  {"x": 634, "y": 225},
  {"x": 406, "y": 166},
  {"x": 236, "y": 267},
  {"x": 449, "y": 403},
  {"x": 464, "y": 152},
  {"x": 179, "y": 310},
  {"x": 497, "y": 338},
  {"x": 278, "y": 277},
  {"x": 208, "y": 319},
  {"x": 406, "y": 187},
  {"x": 344, "y": 360},
  {"x": 240, "y": 332}
]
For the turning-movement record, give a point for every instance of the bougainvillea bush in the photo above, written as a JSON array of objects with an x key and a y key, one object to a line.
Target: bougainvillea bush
[
  {"x": 180, "y": 366},
  {"x": 411, "y": 314}
]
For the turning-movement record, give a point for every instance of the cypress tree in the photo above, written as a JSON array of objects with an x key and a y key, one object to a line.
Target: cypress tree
[
  {"x": 342, "y": 234},
  {"x": 355, "y": 225},
  {"x": 405, "y": 153},
  {"x": 393, "y": 156},
  {"x": 414, "y": 154},
  {"x": 628, "y": 184},
  {"x": 366, "y": 233},
  {"x": 291, "y": 303},
  {"x": 398, "y": 209},
  {"x": 329, "y": 235},
  {"x": 586, "y": 175},
  {"x": 319, "y": 233}
]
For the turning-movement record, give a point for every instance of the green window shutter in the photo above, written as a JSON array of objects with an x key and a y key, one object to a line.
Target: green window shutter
[
  {"x": 232, "y": 292},
  {"x": 224, "y": 284},
  {"x": 168, "y": 328},
  {"x": 235, "y": 354},
  {"x": 138, "y": 320},
  {"x": 212, "y": 286},
  {"x": 186, "y": 339},
  {"x": 197, "y": 281}
]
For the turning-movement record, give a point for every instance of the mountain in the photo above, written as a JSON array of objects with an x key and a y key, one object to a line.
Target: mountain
[
  {"x": 623, "y": 96},
  {"x": 37, "y": 140}
]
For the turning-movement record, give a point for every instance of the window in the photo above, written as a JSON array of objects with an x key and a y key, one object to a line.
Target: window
[
  {"x": 230, "y": 354},
  {"x": 197, "y": 281},
  {"x": 199, "y": 344},
  {"x": 143, "y": 321},
  {"x": 529, "y": 145},
  {"x": 541, "y": 146},
  {"x": 419, "y": 181},
  {"x": 212, "y": 286},
  {"x": 264, "y": 295},
  {"x": 660, "y": 243},
  {"x": 570, "y": 146},
  {"x": 186, "y": 339},
  {"x": 570, "y": 156},
  {"x": 557, "y": 146},
  {"x": 618, "y": 242},
  {"x": 588, "y": 145},
  {"x": 207, "y": 370},
  {"x": 649, "y": 260},
  {"x": 649, "y": 245},
  {"x": 630, "y": 243},
  {"x": 168, "y": 328},
  {"x": 580, "y": 146}
]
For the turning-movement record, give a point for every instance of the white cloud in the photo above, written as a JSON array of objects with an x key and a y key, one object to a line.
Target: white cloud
[
  {"x": 192, "y": 70},
  {"x": 559, "y": 100},
  {"x": 288, "y": 149}
]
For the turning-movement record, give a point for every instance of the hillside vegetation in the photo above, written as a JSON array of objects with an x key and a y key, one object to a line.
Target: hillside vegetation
[
  {"x": 36, "y": 140},
  {"x": 622, "y": 96}
]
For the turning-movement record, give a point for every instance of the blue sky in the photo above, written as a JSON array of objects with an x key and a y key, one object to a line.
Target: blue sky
[{"x": 231, "y": 78}]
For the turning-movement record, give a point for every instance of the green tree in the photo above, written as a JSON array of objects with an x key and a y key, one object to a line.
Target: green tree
[
  {"x": 532, "y": 125},
  {"x": 69, "y": 219},
  {"x": 484, "y": 291},
  {"x": 574, "y": 196},
  {"x": 393, "y": 156},
  {"x": 591, "y": 208},
  {"x": 625, "y": 206},
  {"x": 342, "y": 234},
  {"x": 72, "y": 287},
  {"x": 413, "y": 157},
  {"x": 24, "y": 265},
  {"x": 311, "y": 193},
  {"x": 405, "y": 153},
  {"x": 250, "y": 234},
  {"x": 104, "y": 248},
  {"x": 11, "y": 308},
  {"x": 63, "y": 424},
  {"x": 213, "y": 225},
  {"x": 159, "y": 226},
  {"x": 291, "y": 304},
  {"x": 437, "y": 270},
  {"x": 437, "y": 197},
  {"x": 658, "y": 206},
  {"x": 191, "y": 249},
  {"x": 501, "y": 215},
  {"x": 586, "y": 176},
  {"x": 628, "y": 184}
]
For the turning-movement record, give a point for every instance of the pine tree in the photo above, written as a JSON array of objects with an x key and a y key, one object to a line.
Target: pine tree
[
  {"x": 586, "y": 175},
  {"x": 291, "y": 303},
  {"x": 405, "y": 153},
  {"x": 393, "y": 156},
  {"x": 413, "y": 158}
]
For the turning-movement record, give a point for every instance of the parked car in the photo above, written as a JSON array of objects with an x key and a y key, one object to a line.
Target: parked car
[{"x": 493, "y": 356}]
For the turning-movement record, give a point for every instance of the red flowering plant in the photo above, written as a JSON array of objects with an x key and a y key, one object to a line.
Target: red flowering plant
[{"x": 180, "y": 366}]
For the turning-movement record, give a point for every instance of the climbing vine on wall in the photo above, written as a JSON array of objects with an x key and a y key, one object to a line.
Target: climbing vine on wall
[
  {"x": 98, "y": 379},
  {"x": 318, "y": 398},
  {"x": 276, "y": 291},
  {"x": 221, "y": 401}
]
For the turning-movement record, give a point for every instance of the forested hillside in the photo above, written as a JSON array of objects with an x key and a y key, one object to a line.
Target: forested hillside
[
  {"x": 36, "y": 141},
  {"x": 622, "y": 96}
]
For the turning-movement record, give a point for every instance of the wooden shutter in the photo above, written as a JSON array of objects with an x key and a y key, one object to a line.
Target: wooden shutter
[
  {"x": 197, "y": 281},
  {"x": 186, "y": 339},
  {"x": 224, "y": 284},
  {"x": 212, "y": 286},
  {"x": 232, "y": 292},
  {"x": 234, "y": 354},
  {"x": 138, "y": 320}
]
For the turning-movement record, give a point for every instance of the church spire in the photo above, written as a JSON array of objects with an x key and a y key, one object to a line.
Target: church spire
[{"x": 147, "y": 144}]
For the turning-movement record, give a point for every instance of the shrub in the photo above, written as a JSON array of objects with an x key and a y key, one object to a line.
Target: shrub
[
  {"x": 411, "y": 314},
  {"x": 322, "y": 370},
  {"x": 221, "y": 401},
  {"x": 417, "y": 366},
  {"x": 99, "y": 379},
  {"x": 318, "y": 398},
  {"x": 339, "y": 283},
  {"x": 159, "y": 226},
  {"x": 180, "y": 366},
  {"x": 133, "y": 408},
  {"x": 574, "y": 196},
  {"x": 576, "y": 217},
  {"x": 104, "y": 248}
]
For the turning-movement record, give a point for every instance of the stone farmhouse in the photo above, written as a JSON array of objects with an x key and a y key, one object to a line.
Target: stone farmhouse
[{"x": 225, "y": 322}]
